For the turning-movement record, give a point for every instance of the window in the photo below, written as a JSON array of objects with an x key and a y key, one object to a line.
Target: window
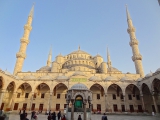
[
  {"x": 16, "y": 106},
  {"x": 98, "y": 96},
  {"x": 115, "y": 108},
  {"x": 34, "y": 96},
  {"x": 122, "y": 98},
  {"x": 58, "y": 96},
  {"x": 137, "y": 97},
  {"x": 26, "y": 95},
  {"x": 98, "y": 107},
  {"x": 42, "y": 95},
  {"x": 57, "y": 107},
  {"x": 123, "y": 108},
  {"x": 24, "y": 106},
  {"x": 65, "y": 95},
  {"x": 140, "y": 108},
  {"x": 18, "y": 95},
  {"x": 40, "y": 107},
  {"x": 33, "y": 106},
  {"x": 130, "y": 97},
  {"x": 65, "y": 105},
  {"x": 114, "y": 97},
  {"x": 131, "y": 108}
]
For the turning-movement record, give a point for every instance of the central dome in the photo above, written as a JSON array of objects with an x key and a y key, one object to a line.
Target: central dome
[
  {"x": 79, "y": 52},
  {"x": 79, "y": 86}
]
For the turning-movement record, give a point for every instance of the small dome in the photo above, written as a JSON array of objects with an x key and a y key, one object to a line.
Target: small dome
[
  {"x": 149, "y": 74},
  {"x": 79, "y": 86},
  {"x": 95, "y": 78},
  {"x": 60, "y": 55},
  {"x": 126, "y": 78},
  {"x": 45, "y": 68},
  {"x": 78, "y": 73},
  {"x": 62, "y": 78},
  {"x": 46, "y": 77},
  {"x": 139, "y": 79},
  {"x": 158, "y": 70},
  {"x": 109, "y": 78},
  {"x": 98, "y": 55},
  {"x": 7, "y": 73},
  {"x": 29, "y": 77}
]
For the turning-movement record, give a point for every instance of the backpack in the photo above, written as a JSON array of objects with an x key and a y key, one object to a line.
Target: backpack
[{"x": 105, "y": 118}]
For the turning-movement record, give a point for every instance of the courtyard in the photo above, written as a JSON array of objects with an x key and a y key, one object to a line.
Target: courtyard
[{"x": 98, "y": 117}]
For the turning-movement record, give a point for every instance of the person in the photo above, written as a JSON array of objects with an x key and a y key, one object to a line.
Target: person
[
  {"x": 34, "y": 117},
  {"x": 19, "y": 111},
  {"x": 26, "y": 117},
  {"x": 53, "y": 116},
  {"x": 32, "y": 114},
  {"x": 22, "y": 116},
  {"x": 104, "y": 117},
  {"x": 63, "y": 118},
  {"x": 79, "y": 117},
  {"x": 49, "y": 112},
  {"x": 59, "y": 115},
  {"x": 49, "y": 117}
]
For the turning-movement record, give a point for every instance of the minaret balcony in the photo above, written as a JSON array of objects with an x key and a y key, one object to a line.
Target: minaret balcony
[
  {"x": 21, "y": 55},
  {"x": 24, "y": 40},
  {"x": 132, "y": 29},
  {"x": 133, "y": 42},
  {"x": 28, "y": 27},
  {"x": 137, "y": 57}
]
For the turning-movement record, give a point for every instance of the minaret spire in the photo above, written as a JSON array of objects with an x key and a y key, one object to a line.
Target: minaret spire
[
  {"x": 49, "y": 58},
  {"x": 109, "y": 63},
  {"x": 21, "y": 55},
  {"x": 137, "y": 57}
]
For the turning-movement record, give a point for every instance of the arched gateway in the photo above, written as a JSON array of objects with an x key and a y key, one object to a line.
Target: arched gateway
[{"x": 80, "y": 98}]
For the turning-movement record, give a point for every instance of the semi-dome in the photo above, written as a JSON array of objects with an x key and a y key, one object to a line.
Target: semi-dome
[
  {"x": 78, "y": 73},
  {"x": 62, "y": 78},
  {"x": 45, "y": 68},
  {"x": 79, "y": 86},
  {"x": 139, "y": 79},
  {"x": 149, "y": 74},
  {"x": 109, "y": 78},
  {"x": 158, "y": 70},
  {"x": 7, "y": 73},
  {"x": 29, "y": 77},
  {"x": 95, "y": 78},
  {"x": 113, "y": 69}
]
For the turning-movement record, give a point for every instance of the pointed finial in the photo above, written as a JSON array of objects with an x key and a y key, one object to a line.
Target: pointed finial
[
  {"x": 79, "y": 47},
  {"x": 127, "y": 12},
  {"x": 107, "y": 52},
  {"x": 32, "y": 10},
  {"x": 50, "y": 52}
]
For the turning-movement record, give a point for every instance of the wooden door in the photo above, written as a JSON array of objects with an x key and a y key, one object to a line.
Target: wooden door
[{"x": 16, "y": 106}]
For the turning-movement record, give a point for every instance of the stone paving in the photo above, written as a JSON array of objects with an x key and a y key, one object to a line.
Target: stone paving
[{"x": 98, "y": 117}]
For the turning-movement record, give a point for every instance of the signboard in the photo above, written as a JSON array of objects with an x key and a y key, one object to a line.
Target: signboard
[{"x": 78, "y": 80}]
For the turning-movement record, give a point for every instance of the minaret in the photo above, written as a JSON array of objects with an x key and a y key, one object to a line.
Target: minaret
[
  {"x": 21, "y": 55},
  {"x": 108, "y": 59},
  {"x": 49, "y": 58},
  {"x": 137, "y": 57}
]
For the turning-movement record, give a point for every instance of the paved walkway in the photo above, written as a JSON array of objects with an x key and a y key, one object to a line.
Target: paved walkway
[{"x": 98, "y": 117}]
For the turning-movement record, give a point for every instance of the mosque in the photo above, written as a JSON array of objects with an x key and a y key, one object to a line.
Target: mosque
[{"x": 52, "y": 87}]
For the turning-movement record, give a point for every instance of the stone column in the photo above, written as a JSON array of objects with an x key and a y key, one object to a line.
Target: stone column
[
  {"x": 155, "y": 103},
  {"x": 50, "y": 101},
  {"x": 125, "y": 103},
  {"x": 11, "y": 102},
  {"x": 32, "y": 94},
  {"x": 85, "y": 113},
  {"x": 72, "y": 110},
  {"x": 144, "y": 109},
  {"x": 1, "y": 96},
  {"x": 106, "y": 103}
]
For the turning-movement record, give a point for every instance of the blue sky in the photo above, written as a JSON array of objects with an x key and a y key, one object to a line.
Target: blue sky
[{"x": 92, "y": 24}]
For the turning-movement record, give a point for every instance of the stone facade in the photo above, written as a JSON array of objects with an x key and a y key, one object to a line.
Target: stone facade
[{"x": 112, "y": 90}]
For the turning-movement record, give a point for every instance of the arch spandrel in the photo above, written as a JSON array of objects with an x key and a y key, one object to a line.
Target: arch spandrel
[
  {"x": 36, "y": 85},
  {"x": 17, "y": 87},
  {"x": 11, "y": 84}
]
